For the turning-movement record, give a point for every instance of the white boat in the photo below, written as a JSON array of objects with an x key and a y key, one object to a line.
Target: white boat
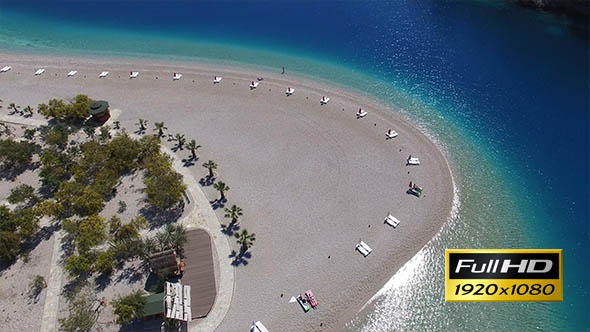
[
  {"x": 413, "y": 161},
  {"x": 364, "y": 248},
  {"x": 176, "y": 76},
  {"x": 361, "y": 113},
  {"x": 392, "y": 221},
  {"x": 324, "y": 100},
  {"x": 103, "y": 74},
  {"x": 40, "y": 71},
  {"x": 254, "y": 85},
  {"x": 391, "y": 134},
  {"x": 72, "y": 73},
  {"x": 5, "y": 69},
  {"x": 217, "y": 79},
  {"x": 290, "y": 91},
  {"x": 133, "y": 74},
  {"x": 258, "y": 327}
]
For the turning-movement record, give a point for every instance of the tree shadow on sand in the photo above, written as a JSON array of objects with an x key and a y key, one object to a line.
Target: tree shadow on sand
[
  {"x": 240, "y": 258},
  {"x": 207, "y": 181},
  {"x": 157, "y": 217},
  {"x": 188, "y": 162},
  {"x": 218, "y": 203},
  {"x": 230, "y": 228}
]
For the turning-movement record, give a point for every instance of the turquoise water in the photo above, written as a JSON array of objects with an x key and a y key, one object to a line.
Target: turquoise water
[{"x": 503, "y": 90}]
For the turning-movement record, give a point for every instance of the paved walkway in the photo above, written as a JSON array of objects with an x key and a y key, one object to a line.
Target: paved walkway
[
  {"x": 53, "y": 291},
  {"x": 21, "y": 120},
  {"x": 203, "y": 216}
]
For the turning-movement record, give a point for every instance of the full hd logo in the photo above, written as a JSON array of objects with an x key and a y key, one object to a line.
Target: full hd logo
[{"x": 504, "y": 275}]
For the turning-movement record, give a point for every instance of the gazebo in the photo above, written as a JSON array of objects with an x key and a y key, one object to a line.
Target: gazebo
[{"x": 100, "y": 110}]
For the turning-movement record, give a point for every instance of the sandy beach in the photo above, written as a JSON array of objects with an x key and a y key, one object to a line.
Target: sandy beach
[{"x": 311, "y": 179}]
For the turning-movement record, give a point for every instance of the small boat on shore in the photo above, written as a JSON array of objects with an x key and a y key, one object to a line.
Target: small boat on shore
[{"x": 303, "y": 303}]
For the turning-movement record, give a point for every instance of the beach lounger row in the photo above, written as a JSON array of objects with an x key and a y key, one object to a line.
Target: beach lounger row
[
  {"x": 392, "y": 221},
  {"x": 363, "y": 248},
  {"x": 413, "y": 161},
  {"x": 391, "y": 134},
  {"x": 5, "y": 69}
]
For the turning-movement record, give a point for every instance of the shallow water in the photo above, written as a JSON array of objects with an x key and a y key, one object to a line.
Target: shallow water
[{"x": 502, "y": 89}]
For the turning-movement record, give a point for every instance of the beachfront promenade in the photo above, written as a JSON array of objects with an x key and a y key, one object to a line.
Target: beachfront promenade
[{"x": 312, "y": 179}]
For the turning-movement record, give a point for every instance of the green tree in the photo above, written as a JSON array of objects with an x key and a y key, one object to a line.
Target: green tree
[
  {"x": 92, "y": 231},
  {"x": 193, "y": 147},
  {"x": 29, "y": 134},
  {"x": 90, "y": 131},
  {"x": 9, "y": 246},
  {"x": 77, "y": 265},
  {"x": 105, "y": 133},
  {"x": 222, "y": 188},
  {"x": 129, "y": 307},
  {"x": 210, "y": 165},
  {"x": 49, "y": 208},
  {"x": 160, "y": 128},
  {"x": 28, "y": 111},
  {"x": 233, "y": 213},
  {"x": 56, "y": 137},
  {"x": 27, "y": 221},
  {"x": 164, "y": 187},
  {"x": 245, "y": 240},
  {"x": 74, "y": 112},
  {"x": 142, "y": 123},
  {"x": 54, "y": 169},
  {"x": 180, "y": 140},
  {"x": 23, "y": 194},
  {"x": 105, "y": 262},
  {"x": 15, "y": 156},
  {"x": 37, "y": 285},
  {"x": 82, "y": 313}
]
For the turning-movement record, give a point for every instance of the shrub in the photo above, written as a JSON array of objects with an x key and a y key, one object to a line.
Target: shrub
[{"x": 130, "y": 307}]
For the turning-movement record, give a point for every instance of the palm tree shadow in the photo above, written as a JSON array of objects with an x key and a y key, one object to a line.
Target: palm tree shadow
[
  {"x": 218, "y": 203},
  {"x": 140, "y": 131},
  {"x": 189, "y": 162},
  {"x": 207, "y": 181},
  {"x": 230, "y": 228},
  {"x": 240, "y": 258}
]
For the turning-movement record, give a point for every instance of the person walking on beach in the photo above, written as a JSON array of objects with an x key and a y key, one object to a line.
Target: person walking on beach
[{"x": 283, "y": 71}]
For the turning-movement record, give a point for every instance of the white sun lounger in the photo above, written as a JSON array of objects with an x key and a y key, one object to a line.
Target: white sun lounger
[
  {"x": 103, "y": 74},
  {"x": 5, "y": 69},
  {"x": 413, "y": 161},
  {"x": 290, "y": 91},
  {"x": 254, "y": 85},
  {"x": 361, "y": 113},
  {"x": 364, "y": 248},
  {"x": 133, "y": 74},
  {"x": 176, "y": 76},
  {"x": 72, "y": 73},
  {"x": 391, "y": 134},
  {"x": 324, "y": 100},
  {"x": 217, "y": 79},
  {"x": 392, "y": 221},
  {"x": 40, "y": 71},
  {"x": 258, "y": 327}
]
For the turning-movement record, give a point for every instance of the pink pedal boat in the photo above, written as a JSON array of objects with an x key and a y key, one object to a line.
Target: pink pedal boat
[{"x": 311, "y": 298}]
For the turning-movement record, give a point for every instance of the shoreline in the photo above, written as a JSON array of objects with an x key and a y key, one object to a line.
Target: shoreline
[{"x": 323, "y": 129}]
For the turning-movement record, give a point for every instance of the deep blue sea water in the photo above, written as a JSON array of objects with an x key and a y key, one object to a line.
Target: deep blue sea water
[{"x": 503, "y": 89}]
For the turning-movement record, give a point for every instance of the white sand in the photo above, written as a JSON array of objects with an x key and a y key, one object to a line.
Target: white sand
[{"x": 311, "y": 179}]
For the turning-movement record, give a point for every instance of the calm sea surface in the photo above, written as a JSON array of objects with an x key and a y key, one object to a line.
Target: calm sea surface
[{"x": 502, "y": 89}]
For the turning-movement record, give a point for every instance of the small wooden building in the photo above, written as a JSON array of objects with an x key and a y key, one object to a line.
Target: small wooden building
[{"x": 100, "y": 111}]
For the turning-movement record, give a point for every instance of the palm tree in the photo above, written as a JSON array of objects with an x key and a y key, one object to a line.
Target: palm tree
[
  {"x": 13, "y": 107},
  {"x": 142, "y": 123},
  {"x": 28, "y": 110},
  {"x": 210, "y": 165},
  {"x": 180, "y": 140},
  {"x": 245, "y": 240},
  {"x": 234, "y": 213},
  {"x": 160, "y": 128},
  {"x": 222, "y": 187},
  {"x": 193, "y": 146}
]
